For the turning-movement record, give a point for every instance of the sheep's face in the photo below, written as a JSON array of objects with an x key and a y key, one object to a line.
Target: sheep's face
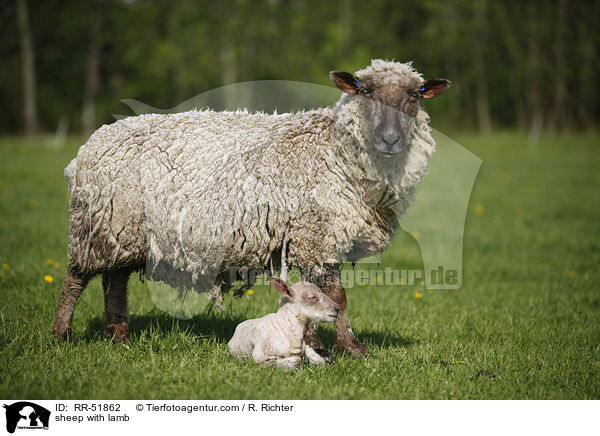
[
  {"x": 388, "y": 108},
  {"x": 309, "y": 300}
]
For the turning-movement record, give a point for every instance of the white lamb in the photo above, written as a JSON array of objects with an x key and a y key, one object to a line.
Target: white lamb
[{"x": 278, "y": 338}]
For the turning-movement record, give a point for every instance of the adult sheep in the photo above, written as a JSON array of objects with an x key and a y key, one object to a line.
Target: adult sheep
[{"x": 194, "y": 195}]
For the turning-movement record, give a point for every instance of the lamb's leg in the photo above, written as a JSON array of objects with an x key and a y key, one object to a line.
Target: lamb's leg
[
  {"x": 72, "y": 287},
  {"x": 115, "y": 304},
  {"x": 346, "y": 342},
  {"x": 314, "y": 343},
  {"x": 288, "y": 363},
  {"x": 314, "y": 357}
]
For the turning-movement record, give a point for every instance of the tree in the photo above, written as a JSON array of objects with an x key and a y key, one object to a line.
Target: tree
[
  {"x": 30, "y": 120},
  {"x": 92, "y": 80},
  {"x": 481, "y": 87}
]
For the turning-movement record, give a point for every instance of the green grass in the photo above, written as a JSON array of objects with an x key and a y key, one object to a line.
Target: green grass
[{"x": 526, "y": 323}]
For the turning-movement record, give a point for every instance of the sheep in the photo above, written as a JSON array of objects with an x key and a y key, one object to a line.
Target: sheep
[
  {"x": 194, "y": 197},
  {"x": 278, "y": 338}
]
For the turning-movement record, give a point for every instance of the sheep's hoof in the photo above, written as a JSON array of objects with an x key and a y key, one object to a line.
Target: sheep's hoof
[
  {"x": 355, "y": 348},
  {"x": 66, "y": 335},
  {"x": 326, "y": 355},
  {"x": 117, "y": 332}
]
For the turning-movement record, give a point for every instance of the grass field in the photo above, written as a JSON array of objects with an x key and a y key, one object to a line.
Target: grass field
[{"x": 526, "y": 323}]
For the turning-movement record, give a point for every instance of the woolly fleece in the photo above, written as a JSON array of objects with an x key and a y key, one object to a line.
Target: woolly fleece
[{"x": 196, "y": 193}]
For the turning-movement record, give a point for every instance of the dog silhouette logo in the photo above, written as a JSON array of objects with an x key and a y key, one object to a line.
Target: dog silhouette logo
[{"x": 26, "y": 415}]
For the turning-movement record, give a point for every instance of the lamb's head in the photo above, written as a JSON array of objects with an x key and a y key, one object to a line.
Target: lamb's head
[
  {"x": 385, "y": 102},
  {"x": 308, "y": 300}
]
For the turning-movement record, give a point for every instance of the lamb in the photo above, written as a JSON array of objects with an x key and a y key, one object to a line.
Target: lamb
[
  {"x": 278, "y": 338},
  {"x": 195, "y": 197}
]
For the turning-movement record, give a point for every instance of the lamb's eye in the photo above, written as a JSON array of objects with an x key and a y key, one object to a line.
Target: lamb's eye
[
  {"x": 311, "y": 298},
  {"x": 415, "y": 95}
]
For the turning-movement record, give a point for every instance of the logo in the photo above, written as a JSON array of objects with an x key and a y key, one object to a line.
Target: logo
[{"x": 26, "y": 415}]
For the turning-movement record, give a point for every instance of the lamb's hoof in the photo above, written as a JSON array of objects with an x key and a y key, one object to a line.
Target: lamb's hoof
[
  {"x": 117, "y": 332},
  {"x": 355, "y": 348},
  {"x": 326, "y": 355}
]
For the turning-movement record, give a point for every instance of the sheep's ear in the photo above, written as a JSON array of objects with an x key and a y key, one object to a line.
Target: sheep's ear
[
  {"x": 345, "y": 81},
  {"x": 434, "y": 87},
  {"x": 282, "y": 287}
]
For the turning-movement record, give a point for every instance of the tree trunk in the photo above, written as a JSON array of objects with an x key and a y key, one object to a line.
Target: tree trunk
[
  {"x": 560, "y": 112},
  {"x": 585, "y": 105},
  {"x": 451, "y": 62},
  {"x": 92, "y": 79},
  {"x": 481, "y": 88},
  {"x": 345, "y": 27},
  {"x": 228, "y": 59},
  {"x": 534, "y": 77},
  {"x": 30, "y": 120},
  {"x": 516, "y": 59}
]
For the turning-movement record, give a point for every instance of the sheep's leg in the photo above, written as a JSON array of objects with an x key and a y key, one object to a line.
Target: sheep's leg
[
  {"x": 72, "y": 287},
  {"x": 115, "y": 304},
  {"x": 346, "y": 341},
  {"x": 311, "y": 337}
]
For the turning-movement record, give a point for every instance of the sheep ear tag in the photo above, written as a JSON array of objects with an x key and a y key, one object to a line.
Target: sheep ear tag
[
  {"x": 434, "y": 87},
  {"x": 345, "y": 81}
]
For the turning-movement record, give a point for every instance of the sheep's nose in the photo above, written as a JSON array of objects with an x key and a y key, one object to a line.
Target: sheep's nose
[
  {"x": 336, "y": 309},
  {"x": 390, "y": 138}
]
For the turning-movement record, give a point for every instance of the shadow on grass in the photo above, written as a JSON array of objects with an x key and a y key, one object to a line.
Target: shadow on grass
[
  {"x": 222, "y": 327},
  {"x": 207, "y": 325},
  {"x": 378, "y": 339}
]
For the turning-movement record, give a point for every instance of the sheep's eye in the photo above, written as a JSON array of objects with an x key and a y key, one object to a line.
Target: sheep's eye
[
  {"x": 415, "y": 95},
  {"x": 363, "y": 91}
]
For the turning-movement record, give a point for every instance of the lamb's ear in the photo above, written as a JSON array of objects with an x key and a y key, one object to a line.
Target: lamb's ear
[
  {"x": 282, "y": 287},
  {"x": 345, "y": 81},
  {"x": 434, "y": 87}
]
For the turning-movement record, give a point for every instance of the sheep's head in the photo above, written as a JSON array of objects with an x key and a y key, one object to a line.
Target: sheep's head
[
  {"x": 389, "y": 101},
  {"x": 309, "y": 300}
]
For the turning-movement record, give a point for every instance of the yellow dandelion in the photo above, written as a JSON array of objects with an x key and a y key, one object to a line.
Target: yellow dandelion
[
  {"x": 571, "y": 274},
  {"x": 50, "y": 261},
  {"x": 56, "y": 265},
  {"x": 479, "y": 209},
  {"x": 418, "y": 295},
  {"x": 377, "y": 280},
  {"x": 5, "y": 266},
  {"x": 69, "y": 257},
  {"x": 48, "y": 279},
  {"x": 399, "y": 281},
  {"x": 416, "y": 234},
  {"x": 250, "y": 292},
  {"x": 458, "y": 362}
]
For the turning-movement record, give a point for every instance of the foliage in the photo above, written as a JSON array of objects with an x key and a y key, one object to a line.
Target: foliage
[{"x": 527, "y": 64}]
